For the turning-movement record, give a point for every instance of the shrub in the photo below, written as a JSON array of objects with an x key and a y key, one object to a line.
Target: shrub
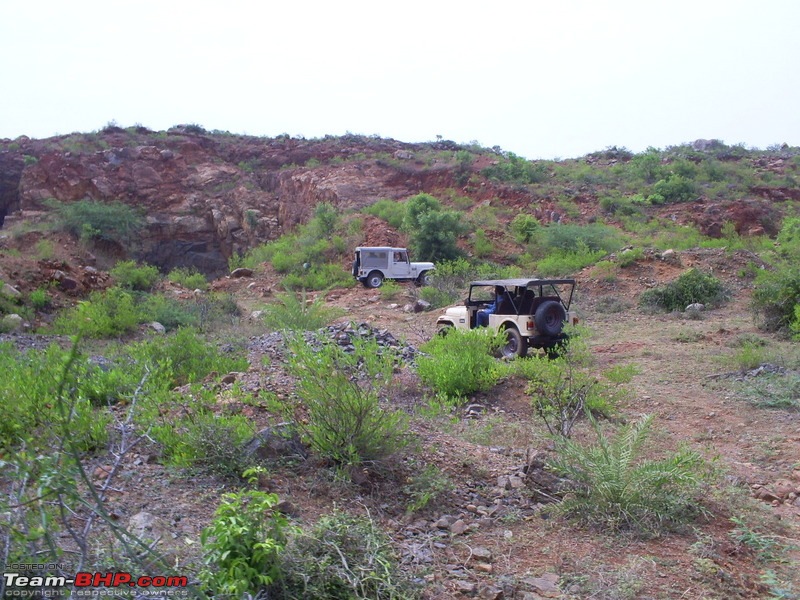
[
  {"x": 776, "y": 293},
  {"x": 187, "y": 355},
  {"x": 615, "y": 489},
  {"x": 566, "y": 263},
  {"x": 188, "y": 278},
  {"x": 108, "y": 221},
  {"x": 524, "y": 228},
  {"x": 517, "y": 169},
  {"x": 433, "y": 231},
  {"x": 243, "y": 544},
  {"x": 39, "y": 299},
  {"x": 675, "y": 188},
  {"x": 170, "y": 312},
  {"x": 344, "y": 557},
  {"x": 390, "y": 290},
  {"x": 105, "y": 314},
  {"x": 211, "y": 443},
  {"x": 391, "y": 211},
  {"x": 293, "y": 312},
  {"x": 460, "y": 362},
  {"x": 691, "y": 287},
  {"x": 562, "y": 387},
  {"x": 130, "y": 275},
  {"x": 341, "y": 394},
  {"x": 32, "y": 407},
  {"x": 579, "y": 238}
]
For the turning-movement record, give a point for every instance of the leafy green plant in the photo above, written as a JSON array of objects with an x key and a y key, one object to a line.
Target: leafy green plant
[
  {"x": 524, "y": 228},
  {"x": 130, "y": 275},
  {"x": 39, "y": 298},
  {"x": 517, "y": 169},
  {"x": 391, "y": 211},
  {"x": 460, "y": 362},
  {"x": 343, "y": 557},
  {"x": 613, "y": 487},
  {"x": 341, "y": 394},
  {"x": 188, "y": 278},
  {"x": 690, "y": 287},
  {"x": 293, "y": 312},
  {"x": 91, "y": 220},
  {"x": 208, "y": 442},
  {"x": 433, "y": 231},
  {"x": 390, "y": 290},
  {"x": 776, "y": 294},
  {"x": 243, "y": 543},
  {"x": 110, "y": 313}
]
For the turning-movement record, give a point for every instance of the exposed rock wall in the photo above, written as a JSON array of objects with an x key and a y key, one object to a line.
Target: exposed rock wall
[{"x": 200, "y": 206}]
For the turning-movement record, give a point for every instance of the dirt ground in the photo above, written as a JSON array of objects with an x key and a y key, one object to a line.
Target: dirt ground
[{"x": 488, "y": 536}]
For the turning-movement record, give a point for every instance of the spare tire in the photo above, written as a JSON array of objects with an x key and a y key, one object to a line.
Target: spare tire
[{"x": 550, "y": 318}]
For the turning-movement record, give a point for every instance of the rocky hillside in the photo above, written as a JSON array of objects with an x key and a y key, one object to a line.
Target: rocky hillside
[{"x": 208, "y": 195}]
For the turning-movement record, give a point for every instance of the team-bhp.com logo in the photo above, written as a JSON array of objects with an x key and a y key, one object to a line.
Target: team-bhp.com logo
[{"x": 22, "y": 585}]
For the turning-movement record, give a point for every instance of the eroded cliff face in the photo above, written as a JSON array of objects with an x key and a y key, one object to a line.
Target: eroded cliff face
[{"x": 204, "y": 197}]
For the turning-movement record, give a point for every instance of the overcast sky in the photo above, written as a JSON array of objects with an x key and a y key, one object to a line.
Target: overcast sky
[{"x": 554, "y": 79}]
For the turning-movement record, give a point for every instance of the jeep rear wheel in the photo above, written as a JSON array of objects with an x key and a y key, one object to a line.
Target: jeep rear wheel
[
  {"x": 515, "y": 346},
  {"x": 374, "y": 279}
]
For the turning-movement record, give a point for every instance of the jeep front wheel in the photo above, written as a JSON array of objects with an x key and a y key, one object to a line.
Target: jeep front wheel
[
  {"x": 515, "y": 346},
  {"x": 423, "y": 279},
  {"x": 374, "y": 279}
]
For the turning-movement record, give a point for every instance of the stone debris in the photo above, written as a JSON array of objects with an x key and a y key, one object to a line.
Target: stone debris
[{"x": 344, "y": 335}]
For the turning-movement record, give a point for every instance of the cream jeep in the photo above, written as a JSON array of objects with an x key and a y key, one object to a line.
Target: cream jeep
[{"x": 531, "y": 312}]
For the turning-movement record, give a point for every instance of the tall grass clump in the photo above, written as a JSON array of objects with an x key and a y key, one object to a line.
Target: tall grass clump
[{"x": 616, "y": 489}]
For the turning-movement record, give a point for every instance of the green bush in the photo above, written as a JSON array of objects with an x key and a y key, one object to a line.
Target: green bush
[
  {"x": 460, "y": 362},
  {"x": 132, "y": 276},
  {"x": 341, "y": 393},
  {"x": 563, "y": 387},
  {"x": 108, "y": 221},
  {"x": 39, "y": 299},
  {"x": 524, "y": 228},
  {"x": 517, "y": 169},
  {"x": 208, "y": 442},
  {"x": 692, "y": 286},
  {"x": 105, "y": 314},
  {"x": 170, "y": 312},
  {"x": 563, "y": 264},
  {"x": 188, "y": 278},
  {"x": 433, "y": 231},
  {"x": 343, "y": 557},
  {"x": 614, "y": 488},
  {"x": 391, "y": 211},
  {"x": 188, "y": 357},
  {"x": 31, "y": 405},
  {"x": 242, "y": 545},
  {"x": 566, "y": 237},
  {"x": 674, "y": 188},
  {"x": 293, "y": 312}
]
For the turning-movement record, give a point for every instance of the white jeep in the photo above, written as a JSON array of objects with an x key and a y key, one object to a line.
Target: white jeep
[
  {"x": 373, "y": 264},
  {"x": 531, "y": 312}
]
